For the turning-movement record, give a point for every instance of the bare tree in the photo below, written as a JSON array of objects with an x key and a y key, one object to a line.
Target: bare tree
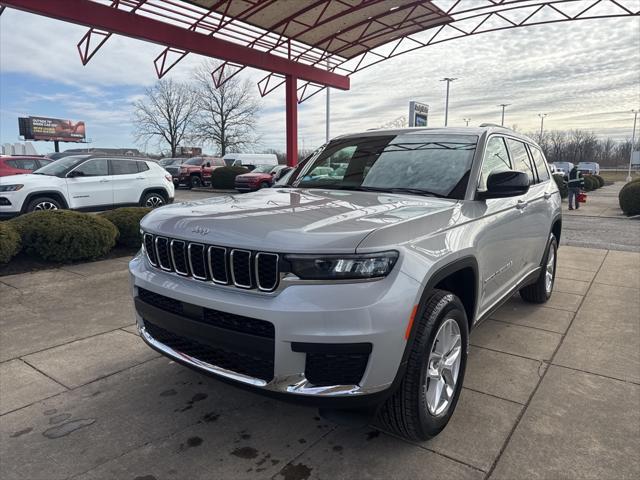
[
  {"x": 227, "y": 115},
  {"x": 166, "y": 113}
]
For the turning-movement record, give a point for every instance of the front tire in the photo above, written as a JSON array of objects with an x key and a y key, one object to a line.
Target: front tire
[
  {"x": 43, "y": 203},
  {"x": 195, "y": 182},
  {"x": 425, "y": 400},
  {"x": 264, "y": 185},
  {"x": 541, "y": 290}
]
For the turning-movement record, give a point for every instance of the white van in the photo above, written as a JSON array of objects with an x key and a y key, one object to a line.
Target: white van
[{"x": 245, "y": 159}]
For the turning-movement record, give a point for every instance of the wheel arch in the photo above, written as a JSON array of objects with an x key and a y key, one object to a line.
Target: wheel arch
[
  {"x": 55, "y": 194},
  {"x": 160, "y": 190},
  {"x": 452, "y": 275}
]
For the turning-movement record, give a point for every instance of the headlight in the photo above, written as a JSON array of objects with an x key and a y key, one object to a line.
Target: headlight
[
  {"x": 338, "y": 267},
  {"x": 10, "y": 188}
]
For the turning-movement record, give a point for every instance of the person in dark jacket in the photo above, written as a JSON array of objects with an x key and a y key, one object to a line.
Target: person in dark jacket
[{"x": 576, "y": 183}]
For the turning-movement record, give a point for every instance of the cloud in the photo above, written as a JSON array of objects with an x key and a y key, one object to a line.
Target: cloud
[{"x": 584, "y": 74}]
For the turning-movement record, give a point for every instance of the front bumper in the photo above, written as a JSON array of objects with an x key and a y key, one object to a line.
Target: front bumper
[{"x": 304, "y": 318}]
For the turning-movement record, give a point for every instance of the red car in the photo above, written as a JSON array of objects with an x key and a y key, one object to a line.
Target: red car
[
  {"x": 19, "y": 164},
  {"x": 262, "y": 176},
  {"x": 196, "y": 172}
]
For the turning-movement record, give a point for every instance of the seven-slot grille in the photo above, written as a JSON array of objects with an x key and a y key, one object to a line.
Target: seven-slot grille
[{"x": 225, "y": 266}]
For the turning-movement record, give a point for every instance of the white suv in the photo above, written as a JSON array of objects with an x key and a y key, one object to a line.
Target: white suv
[{"x": 88, "y": 183}]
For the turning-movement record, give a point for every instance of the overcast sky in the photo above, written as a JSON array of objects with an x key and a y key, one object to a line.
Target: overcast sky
[{"x": 584, "y": 74}]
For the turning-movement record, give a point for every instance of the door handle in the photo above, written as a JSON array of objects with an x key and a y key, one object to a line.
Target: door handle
[
  {"x": 104, "y": 180},
  {"x": 547, "y": 195},
  {"x": 521, "y": 204},
  {"x": 139, "y": 178}
]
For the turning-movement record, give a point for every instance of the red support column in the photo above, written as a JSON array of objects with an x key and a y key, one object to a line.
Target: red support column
[{"x": 291, "y": 88}]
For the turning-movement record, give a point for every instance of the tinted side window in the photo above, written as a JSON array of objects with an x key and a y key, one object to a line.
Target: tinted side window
[
  {"x": 142, "y": 166},
  {"x": 541, "y": 164},
  {"x": 94, "y": 168},
  {"x": 123, "y": 167},
  {"x": 520, "y": 159},
  {"x": 44, "y": 161},
  {"x": 496, "y": 159}
]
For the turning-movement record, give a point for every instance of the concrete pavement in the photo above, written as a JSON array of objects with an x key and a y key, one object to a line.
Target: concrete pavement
[{"x": 551, "y": 392}]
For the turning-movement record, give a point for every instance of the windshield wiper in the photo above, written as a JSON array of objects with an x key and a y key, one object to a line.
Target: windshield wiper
[{"x": 413, "y": 191}]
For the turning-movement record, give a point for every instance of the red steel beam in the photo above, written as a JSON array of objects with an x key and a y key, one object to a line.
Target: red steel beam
[
  {"x": 92, "y": 14},
  {"x": 291, "y": 97}
]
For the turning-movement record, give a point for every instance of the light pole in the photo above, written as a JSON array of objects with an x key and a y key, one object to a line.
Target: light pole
[
  {"x": 467, "y": 120},
  {"x": 542, "y": 115},
  {"x": 503, "y": 105},
  {"x": 446, "y": 104},
  {"x": 633, "y": 142}
]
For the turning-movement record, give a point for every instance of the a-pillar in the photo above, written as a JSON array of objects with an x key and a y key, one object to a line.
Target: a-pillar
[{"x": 291, "y": 87}]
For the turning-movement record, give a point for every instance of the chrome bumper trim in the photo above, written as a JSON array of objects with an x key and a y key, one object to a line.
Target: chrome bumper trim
[{"x": 293, "y": 384}]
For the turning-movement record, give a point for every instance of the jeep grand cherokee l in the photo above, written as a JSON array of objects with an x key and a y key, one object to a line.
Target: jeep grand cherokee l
[{"x": 357, "y": 287}]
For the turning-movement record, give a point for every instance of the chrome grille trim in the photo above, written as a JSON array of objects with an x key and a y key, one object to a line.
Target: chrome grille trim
[
  {"x": 167, "y": 268},
  {"x": 220, "y": 271},
  {"x": 173, "y": 258},
  {"x": 231, "y": 264},
  {"x": 214, "y": 275},
  {"x": 153, "y": 246},
  {"x": 257, "y": 270},
  {"x": 190, "y": 255}
]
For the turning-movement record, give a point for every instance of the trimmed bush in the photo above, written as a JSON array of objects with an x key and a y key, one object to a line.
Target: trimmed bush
[
  {"x": 630, "y": 198},
  {"x": 562, "y": 186},
  {"x": 590, "y": 183},
  {"x": 9, "y": 242},
  {"x": 65, "y": 236},
  {"x": 224, "y": 177},
  {"x": 600, "y": 180},
  {"x": 127, "y": 221}
]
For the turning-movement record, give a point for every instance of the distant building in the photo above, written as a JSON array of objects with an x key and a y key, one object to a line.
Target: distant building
[{"x": 18, "y": 148}]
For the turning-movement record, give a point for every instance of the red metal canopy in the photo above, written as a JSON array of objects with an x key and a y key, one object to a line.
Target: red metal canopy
[{"x": 320, "y": 42}]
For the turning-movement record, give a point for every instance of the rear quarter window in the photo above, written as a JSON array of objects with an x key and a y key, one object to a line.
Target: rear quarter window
[{"x": 540, "y": 163}]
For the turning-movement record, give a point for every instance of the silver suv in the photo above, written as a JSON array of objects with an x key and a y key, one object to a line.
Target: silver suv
[{"x": 355, "y": 284}]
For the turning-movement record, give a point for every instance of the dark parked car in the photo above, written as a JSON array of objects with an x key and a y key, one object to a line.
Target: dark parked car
[
  {"x": 18, "y": 164},
  {"x": 263, "y": 176}
]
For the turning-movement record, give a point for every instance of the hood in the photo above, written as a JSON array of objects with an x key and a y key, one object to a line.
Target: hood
[
  {"x": 31, "y": 179},
  {"x": 249, "y": 176},
  {"x": 293, "y": 220}
]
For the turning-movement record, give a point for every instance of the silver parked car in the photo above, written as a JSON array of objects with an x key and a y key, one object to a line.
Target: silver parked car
[{"x": 355, "y": 283}]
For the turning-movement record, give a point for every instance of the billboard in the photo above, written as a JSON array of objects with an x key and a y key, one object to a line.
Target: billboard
[
  {"x": 51, "y": 129},
  {"x": 418, "y": 114}
]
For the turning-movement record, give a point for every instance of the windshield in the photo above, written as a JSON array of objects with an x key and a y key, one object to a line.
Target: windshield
[
  {"x": 262, "y": 169},
  {"x": 194, "y": 161},
  {"x": 436, "y": 165},
  {"x": 59, "y": 168}
]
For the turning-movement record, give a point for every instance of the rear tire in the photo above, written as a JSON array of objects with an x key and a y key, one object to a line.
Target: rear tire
[
  {"x": 415, "y": 411},
  {"x": 43, "y": 203},
  {"x": 541, "y": 290},
  {"x": 153, "y": 200}
]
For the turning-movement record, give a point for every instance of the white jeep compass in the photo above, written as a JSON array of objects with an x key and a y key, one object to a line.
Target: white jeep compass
[{"x": 87, "y": 183}]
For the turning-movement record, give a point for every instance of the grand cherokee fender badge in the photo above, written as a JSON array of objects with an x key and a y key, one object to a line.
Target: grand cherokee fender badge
[{"x": 200, "y": 230}]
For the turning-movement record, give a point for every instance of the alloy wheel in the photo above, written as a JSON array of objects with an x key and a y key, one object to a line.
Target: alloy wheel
[
  {"x": 443, "y": 367},
  {"x": 45, "y": 206},
  {"x": 550, "y": 270},
  {"x": 154, "y": 201}
]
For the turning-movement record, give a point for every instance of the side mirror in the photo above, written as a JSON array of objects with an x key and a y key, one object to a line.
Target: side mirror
[
  {"x": 208, "y": 164},
  {"x": 75, "y": 173},
  {"x": 506, "y": 184}
]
